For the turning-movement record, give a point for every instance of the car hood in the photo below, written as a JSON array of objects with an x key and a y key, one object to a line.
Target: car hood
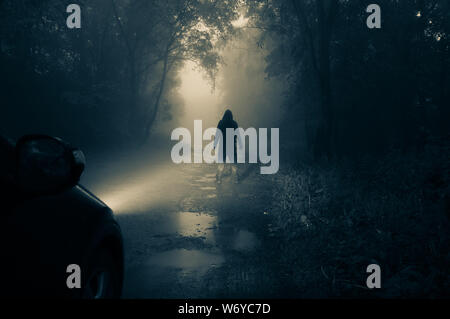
[{"x": 91, "y": 195}]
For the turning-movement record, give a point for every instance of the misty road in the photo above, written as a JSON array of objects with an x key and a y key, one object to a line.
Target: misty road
[
  {"x": 345, "y": 103},
  {"x": 186, "y": 236}
]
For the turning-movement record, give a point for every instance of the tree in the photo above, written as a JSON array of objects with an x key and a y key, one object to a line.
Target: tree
[
  {"x": 178, "y": 31},
  {"x": 359, "y": 89}
]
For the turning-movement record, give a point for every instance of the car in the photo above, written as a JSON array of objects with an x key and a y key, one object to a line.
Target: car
[{"x": 52, "y": 227}]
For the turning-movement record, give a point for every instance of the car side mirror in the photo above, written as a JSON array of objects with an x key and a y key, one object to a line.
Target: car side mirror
[{"x": 46, "y": 164}]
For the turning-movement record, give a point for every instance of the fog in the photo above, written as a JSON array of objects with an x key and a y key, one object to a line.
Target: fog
[
  {"x": 362, "y": 114},
  {"x": 241, "y": 85}
]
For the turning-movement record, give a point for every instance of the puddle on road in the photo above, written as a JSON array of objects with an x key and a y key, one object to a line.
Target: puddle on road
[
  {"x": 186, "y": 224},
  {"x": 196, "y": 225},
  {"x": 205, "y": 226},
  {"x": 206, "y": 178},
  {"x": 186, "y": 259},
  {"x": 245, "y": 241},
  {"x": 177, "y": 273},
  {"x": 208, "y": 188}
]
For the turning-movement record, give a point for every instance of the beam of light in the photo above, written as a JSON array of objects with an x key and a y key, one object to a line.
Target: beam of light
[
  {"x": 130, "y": 194},
  {"x": 149, "y": 186},
  {"x": 141, "y": 191}
]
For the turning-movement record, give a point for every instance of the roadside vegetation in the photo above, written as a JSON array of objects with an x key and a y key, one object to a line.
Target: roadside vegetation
[{"x": 331, "y": 222}]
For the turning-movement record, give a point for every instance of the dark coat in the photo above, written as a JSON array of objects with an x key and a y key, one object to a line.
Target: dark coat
[{"x": 227, "y": 122}]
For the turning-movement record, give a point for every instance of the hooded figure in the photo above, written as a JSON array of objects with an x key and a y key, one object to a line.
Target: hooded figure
[{"x": 226, "y": 122}]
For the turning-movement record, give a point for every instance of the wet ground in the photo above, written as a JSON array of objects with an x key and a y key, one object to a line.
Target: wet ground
[{"x": 187, "y": 236}]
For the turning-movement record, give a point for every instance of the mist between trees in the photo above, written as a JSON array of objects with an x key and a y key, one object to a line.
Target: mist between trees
[
  {"x": 335, "y": 87},
  {"x": 363, "y": 115}
]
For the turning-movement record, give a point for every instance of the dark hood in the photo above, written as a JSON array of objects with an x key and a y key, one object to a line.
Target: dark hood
[{"x": 228, "y": 116}]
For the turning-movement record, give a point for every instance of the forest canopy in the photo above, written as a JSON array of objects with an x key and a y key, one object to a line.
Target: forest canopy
[
  {"x": 111, "y": 76},
  {"x": 340, "y": 89}
]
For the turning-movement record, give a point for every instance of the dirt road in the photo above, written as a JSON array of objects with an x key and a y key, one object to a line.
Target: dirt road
[{"x": 187, "y": 236}]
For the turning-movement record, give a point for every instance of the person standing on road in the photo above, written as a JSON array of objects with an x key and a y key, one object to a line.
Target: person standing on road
[{"x": 227, "y": 122}]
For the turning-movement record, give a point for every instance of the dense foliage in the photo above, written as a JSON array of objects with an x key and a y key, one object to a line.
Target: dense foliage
[
  {"x": 352, "y": 89},
  {"x": 108, "y": 79}
]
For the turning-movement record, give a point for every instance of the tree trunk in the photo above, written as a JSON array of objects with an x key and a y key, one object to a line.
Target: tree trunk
[
  {"x": 320, "y": 60},
  {"x": 133, "y": 111},
  {"x": 325, "y": 128},
  {"x": 152, "y": 118}
]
